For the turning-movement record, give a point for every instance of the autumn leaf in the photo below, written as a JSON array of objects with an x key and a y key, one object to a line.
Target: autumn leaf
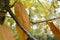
[
  {"x": 6, "y": 33},
  {"x": 54, "y": 30},
  {"x": 22, "y": 16}
]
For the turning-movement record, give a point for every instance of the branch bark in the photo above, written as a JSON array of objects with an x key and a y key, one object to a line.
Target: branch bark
[{"x": 45, "y": 20}]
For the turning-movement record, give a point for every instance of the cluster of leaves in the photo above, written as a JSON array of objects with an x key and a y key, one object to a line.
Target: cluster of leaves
[{"x": 40, "y": 10}]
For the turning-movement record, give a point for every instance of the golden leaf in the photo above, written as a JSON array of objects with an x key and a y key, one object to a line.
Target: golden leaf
[
  {"x": 54, "y": 30},
  {"x": 22, "y": 16},
  {"x": 6, "y": 33}
]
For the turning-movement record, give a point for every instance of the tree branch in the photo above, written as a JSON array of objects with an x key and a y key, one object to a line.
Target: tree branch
[{"x": 45, "y": 20}]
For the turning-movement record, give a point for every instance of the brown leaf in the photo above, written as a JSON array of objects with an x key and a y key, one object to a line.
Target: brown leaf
[
  {"x": 6, "y": 33},
  {"x": 22, "y": 16},
  {"x": 54, "y": 30}
]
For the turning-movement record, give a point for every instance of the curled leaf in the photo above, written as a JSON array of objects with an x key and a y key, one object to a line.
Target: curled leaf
[
  {"x": 6, "y": 33},
  {"x": 22, "y": 16},
  {"x": 54, "y": 30}
]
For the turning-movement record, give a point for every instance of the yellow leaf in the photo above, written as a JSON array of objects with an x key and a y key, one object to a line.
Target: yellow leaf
[
  {"x": 54, "y": 30},
  {"x": 6, "y": 33},
  {"x": 22, "y": 16}
]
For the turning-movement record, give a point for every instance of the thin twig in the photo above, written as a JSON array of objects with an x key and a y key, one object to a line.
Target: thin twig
[{"x": 45, "y": 20}]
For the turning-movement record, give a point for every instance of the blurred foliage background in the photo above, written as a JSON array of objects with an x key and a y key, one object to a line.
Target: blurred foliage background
[{"x": 38, "y": 10}]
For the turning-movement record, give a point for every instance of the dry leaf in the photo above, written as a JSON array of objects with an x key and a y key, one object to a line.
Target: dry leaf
[
  {"x": 54, "y": 30},
  {"x": 6, "y": 33},
  {"x": 22, "y": 16}
]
